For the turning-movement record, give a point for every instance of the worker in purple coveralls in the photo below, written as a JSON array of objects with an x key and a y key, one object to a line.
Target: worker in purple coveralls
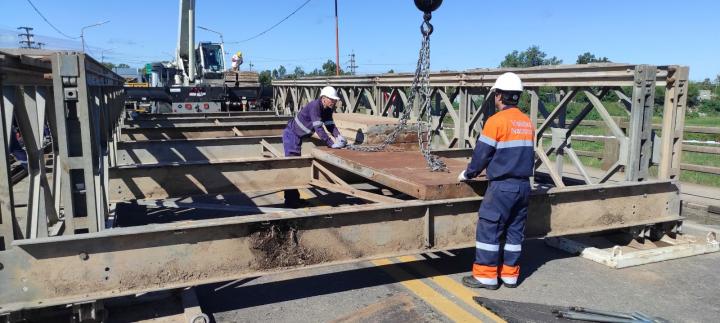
[{"x": 309, "y": 120}]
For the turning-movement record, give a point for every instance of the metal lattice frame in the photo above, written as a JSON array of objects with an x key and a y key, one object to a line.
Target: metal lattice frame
[
  {"x": 385, "y": 93},
  {"x": 80, "y": 105},
  {"x": 85, "y": 101}
]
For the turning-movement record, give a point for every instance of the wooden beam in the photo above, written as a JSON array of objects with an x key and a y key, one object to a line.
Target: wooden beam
[
  {"x": 701, "y": 169},
  {"x": 702, "y": 149}
]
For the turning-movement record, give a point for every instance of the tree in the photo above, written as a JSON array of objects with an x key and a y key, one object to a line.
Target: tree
[
  {"x": 532, "y": 56},
  {"x": 329, "y": 68},
  {"x": 587, "y": 58},
  {"x": 391, "y": 71},
  {"x": 265, "y": 77},
  {"x": 123, "y": 65},
  {"x": 108, "y": 65},
  {"x": 298, "y": 72}
]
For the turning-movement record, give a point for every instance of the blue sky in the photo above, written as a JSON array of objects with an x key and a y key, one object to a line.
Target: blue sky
[{"x": 384, "y": 34}]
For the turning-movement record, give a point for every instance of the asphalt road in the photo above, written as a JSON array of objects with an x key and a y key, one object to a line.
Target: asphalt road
[{"x": 426, "y": 288}]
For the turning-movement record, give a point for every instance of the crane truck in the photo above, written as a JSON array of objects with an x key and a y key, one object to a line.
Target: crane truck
[{"x": 197, "y": 80}]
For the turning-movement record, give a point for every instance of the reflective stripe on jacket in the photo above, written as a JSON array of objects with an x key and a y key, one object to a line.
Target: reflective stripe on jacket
[
  {"x": 505, "y": 148},
  {"x": 314, "y": 118}
]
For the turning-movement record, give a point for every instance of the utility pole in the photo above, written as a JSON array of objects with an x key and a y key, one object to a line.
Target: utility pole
[
  {"x": 82, "y": 32},
  {"x": 28, "y": 42},
  {"x": 40, "y": 45},
  {"x": 251, "y": 65},
  {"x": 352, "y": 65},
  {"x": 337, "y": 43},
  {"x": 102, "y": 54}
]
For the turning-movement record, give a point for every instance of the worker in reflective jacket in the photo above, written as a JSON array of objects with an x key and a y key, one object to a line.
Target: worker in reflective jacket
[
  {"x": 313, "y": 118},
  {"x": 505, "y": 152}
]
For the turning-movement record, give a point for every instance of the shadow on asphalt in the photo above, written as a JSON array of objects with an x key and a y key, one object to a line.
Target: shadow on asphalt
[{"x": 228, "y": 296}]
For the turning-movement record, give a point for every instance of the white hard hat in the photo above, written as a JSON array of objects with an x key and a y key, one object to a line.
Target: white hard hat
[
  {"x": 508, "y": 82},
  {"x": 329, "y": 92}
]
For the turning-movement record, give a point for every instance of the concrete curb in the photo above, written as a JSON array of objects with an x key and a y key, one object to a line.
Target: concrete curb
[{"x": 700, "y": 213}]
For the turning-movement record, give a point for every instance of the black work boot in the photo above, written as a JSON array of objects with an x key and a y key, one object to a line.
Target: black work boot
[
  {"x": 508, "y": 285},
  {"x": 471, "y": 282}
]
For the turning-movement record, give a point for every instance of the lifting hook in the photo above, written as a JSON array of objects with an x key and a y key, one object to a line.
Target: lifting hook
[{"x": 427, "y": 6}]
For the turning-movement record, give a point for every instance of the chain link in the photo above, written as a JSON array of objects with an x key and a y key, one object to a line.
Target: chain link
[{"x": 420, "y": 89}]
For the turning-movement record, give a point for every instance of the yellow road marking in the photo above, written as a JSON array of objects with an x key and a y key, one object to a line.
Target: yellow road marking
[
  {"x": 450, "y": 285},
  {"x": 429, "y": 295}
]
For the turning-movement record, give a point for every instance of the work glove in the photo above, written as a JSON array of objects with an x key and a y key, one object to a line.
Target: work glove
[
  {"x": 462, "y": 177},
  {"x": 337, "y": 145},
  {"x": 342, "y": 140}
]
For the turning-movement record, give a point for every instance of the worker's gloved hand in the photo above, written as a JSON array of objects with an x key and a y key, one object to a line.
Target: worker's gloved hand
[
  {"x": 337, "y": 145},
  {"x": 462, "y": 177},
  {"x": 342, "y": 140}
]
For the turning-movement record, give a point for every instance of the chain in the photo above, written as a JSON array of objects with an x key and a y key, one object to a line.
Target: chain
[{"x": 420, "y": 88}]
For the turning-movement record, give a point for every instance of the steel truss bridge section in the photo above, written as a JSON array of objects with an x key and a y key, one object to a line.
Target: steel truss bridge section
[
  {"x": 459, "y": 102},
  {"x": 69, "y": 252},
  {"x": 124, "y": 261},
  {"x": 76, "y": 104}
]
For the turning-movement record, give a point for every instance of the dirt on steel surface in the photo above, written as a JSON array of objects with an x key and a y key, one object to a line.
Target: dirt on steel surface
[
  {"x": 279, "y": 246},
  {"x": 405, "y": 171}
]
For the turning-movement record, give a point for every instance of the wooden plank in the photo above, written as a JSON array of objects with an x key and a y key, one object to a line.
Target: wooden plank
[
  {"x": 701, "y": 169},
  {"x": 348, "y": 190},
  {"x": 656, "y": 126},
  {"x": 405, "y": 171},
  {"x": 702, "y": 149}
]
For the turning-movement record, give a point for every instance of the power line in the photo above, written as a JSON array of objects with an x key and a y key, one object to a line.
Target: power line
[
  {"x": 273, "y": 26},
  {"x": 48, "y": 22}
]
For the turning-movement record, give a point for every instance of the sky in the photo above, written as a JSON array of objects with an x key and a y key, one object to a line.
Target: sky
[{"x": 384, "y": 34}]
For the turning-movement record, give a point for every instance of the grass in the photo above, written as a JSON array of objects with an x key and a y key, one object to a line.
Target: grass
[
  {"x": 687, "y": 157},
  {"x": 616, "y": 109}
]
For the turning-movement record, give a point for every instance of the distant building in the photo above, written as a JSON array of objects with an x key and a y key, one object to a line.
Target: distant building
[
  {"x": 130, "y": 74},
  {"x": 705, "y": 95}
]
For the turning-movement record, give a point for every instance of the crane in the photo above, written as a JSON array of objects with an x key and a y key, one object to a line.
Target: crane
[{"x": 196, "y": 81}]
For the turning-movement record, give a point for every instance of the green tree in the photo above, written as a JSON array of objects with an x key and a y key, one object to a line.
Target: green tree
[
  {"x": 298, "y": 72},
  {"x": 109, "y": 65},
  {"x": 329, "y": 68},
  {"x": 587, "y": 58},
  {"x": 265, "y": 77},
  {"x": 391, "y": 71},
  {"x": 532, "y": 56},
  {"x": 123, "y": 65}
]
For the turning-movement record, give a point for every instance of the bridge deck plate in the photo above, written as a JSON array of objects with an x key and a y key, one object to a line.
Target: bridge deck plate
[{"x": 404, "y": 171}]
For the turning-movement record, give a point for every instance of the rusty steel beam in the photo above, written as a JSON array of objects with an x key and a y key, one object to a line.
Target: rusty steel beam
[
  {"x": 168, "y": 180},
  {"x": 602, "y": 74},
  {"x": 165, "y": 123},
  {"x": 202, "y": 149},
  {"x": 124, "y": 261},
  {"x": 270, "y": 128},
  {"x": 207, "y": 115}
]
